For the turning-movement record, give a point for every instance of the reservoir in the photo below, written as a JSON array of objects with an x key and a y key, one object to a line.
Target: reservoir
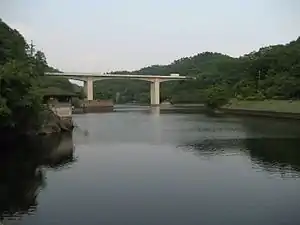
[{"x": 143, "y": 166}]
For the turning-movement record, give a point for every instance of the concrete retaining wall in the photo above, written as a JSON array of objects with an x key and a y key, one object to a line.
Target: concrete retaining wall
[
  {"x": 261, "y": 113},
  {"x": 62, "y": 109}
]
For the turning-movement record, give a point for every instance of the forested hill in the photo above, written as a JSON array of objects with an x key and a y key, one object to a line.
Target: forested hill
[
  {"x": 272, "y": 72},
  {"x": 23, "y": 84},
  {"x": 14, "y": 47}
]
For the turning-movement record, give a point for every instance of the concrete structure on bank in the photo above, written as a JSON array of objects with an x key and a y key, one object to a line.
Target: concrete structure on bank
[
  {"x": 89, "y": 78},
  {"x": 63, "y": 110},
  {"x": 59, "y": 103}
]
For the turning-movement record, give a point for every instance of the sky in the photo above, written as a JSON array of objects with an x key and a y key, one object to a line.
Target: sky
[{"x": 110, "y": 35}]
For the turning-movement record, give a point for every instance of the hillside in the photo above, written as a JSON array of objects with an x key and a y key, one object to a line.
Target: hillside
[
  {"x": 272, "y": 72},
  {"x": 14, "y": 47},
  {"x": 22, "y": 86}
]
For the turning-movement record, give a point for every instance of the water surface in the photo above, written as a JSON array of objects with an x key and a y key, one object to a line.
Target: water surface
[{"x": 152, "y": 167}]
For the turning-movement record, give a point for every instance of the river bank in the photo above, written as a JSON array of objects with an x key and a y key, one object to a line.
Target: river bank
[
  {"x": 94, "y": 106},
  {"x": 286, "y": 109},
  {"x": 52, "y": 123},
  {"x": 268, "y": 108}
]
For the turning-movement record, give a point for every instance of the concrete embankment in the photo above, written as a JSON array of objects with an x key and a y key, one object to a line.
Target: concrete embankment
[
  {"x": 269, "y": 108},
  {"x": 57, "y": 118},
  {"x": 262, "y": 113},
  {"x": 95, "y": 106}
]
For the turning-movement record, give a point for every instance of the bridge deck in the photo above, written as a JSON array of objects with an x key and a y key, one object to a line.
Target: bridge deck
[{"x": 75, "y": 74}]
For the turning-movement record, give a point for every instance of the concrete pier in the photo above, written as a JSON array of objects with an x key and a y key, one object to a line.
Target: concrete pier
[
  {"x": 89, "y": 78},
  {"x": 155, "y": 93}
]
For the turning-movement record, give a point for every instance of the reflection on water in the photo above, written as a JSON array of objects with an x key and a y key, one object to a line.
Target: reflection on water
[
  {"x": 271, "y": 145},
  {"x": 275, "y": 155},
  {"x": 213, "y": 147},
  {"x": 156, "y": 166},
  {"x": 23, "y": 171},
  {"x": 278, "y": 156}
]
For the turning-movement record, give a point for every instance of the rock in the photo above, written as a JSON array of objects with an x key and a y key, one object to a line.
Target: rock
[{"x": 54, "y": 124}]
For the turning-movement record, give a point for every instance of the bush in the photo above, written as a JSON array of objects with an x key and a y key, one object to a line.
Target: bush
[
  {"x": 257, "y": 97},
  {"x": 216, "y": 97}
]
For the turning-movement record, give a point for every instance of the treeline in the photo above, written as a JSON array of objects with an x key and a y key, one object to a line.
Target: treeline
[
  {"x": 22, "y": 82},
  {"x": 270, "y": 73}
]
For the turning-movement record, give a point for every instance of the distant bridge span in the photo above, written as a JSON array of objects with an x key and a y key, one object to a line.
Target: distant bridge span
[{"x": 89, "y": 78}]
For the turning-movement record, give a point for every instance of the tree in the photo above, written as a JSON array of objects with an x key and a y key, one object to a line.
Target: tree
[
  {"x": 271, "y": 72},
  {"x": 20, "y": 103},
  {"x": 216, "y": 96},
  {"x": 40, "y": 63},
  {"x": 22, "y": 70}
]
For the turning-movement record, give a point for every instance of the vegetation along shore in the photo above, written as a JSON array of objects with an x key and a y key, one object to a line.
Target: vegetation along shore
[{"x": 263, "y": 80}]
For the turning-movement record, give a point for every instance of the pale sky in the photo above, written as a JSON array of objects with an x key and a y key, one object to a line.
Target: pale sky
[{"x": 101, "y": 36}]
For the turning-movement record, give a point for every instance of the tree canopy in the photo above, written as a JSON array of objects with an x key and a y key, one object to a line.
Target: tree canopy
[
  {"x": 272, "y": 72},
  {"x": 22, "y": 81}
]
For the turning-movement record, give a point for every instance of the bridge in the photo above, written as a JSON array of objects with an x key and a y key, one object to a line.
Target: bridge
[{"x": 89, "y": 78}]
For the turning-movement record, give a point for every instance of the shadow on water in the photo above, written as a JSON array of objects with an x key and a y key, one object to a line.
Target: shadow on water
[
  {"x": 161, "y": 109},
  {"x": 23, "y": 168},
  {"x": 274, "y": 155},
  {"x": 271, "y": 145}
]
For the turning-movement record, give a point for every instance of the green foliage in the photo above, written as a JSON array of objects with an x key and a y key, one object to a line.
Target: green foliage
[
  {"x": 128, "y": 90},
  {"x": 76, "y": 102},
  {"x": 12, "y": 44},
  {"x": 20, "y": 102},
  {"x": 40, "y": 63},
  {"x": 59, "y": 85},
  {"x": 22, "y": 82},
  {"x": 216, "y": 96},
  {"x": 19, "y": 75},
  {"x": 271, "y": 73},
  {"x": 79, "y": 91}
]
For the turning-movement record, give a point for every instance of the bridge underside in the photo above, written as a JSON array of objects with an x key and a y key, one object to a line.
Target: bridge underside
[
  {"x": 154, "y": 83},
  {"x": 154, "y": 89}
]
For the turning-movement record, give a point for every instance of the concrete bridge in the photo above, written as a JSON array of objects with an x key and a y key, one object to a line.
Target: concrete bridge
[{"x": 89, "y": 78}]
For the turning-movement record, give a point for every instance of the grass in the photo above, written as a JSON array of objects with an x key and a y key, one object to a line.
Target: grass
[{"x": 286, "y": 106}]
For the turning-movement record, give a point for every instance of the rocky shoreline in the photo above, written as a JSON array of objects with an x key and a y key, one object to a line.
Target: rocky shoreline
[{"x": 52, "y": 123}]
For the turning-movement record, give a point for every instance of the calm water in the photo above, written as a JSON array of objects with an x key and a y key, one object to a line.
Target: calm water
[{"x": 145, "y": 167}]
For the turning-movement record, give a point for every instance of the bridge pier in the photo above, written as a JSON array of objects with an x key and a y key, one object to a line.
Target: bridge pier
[
  {"x": 85, "y": 88},
  {"x": 89, "y": 78},
  {"x": 90, "y": 88},
  {"x": 154, "y": 92}
]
